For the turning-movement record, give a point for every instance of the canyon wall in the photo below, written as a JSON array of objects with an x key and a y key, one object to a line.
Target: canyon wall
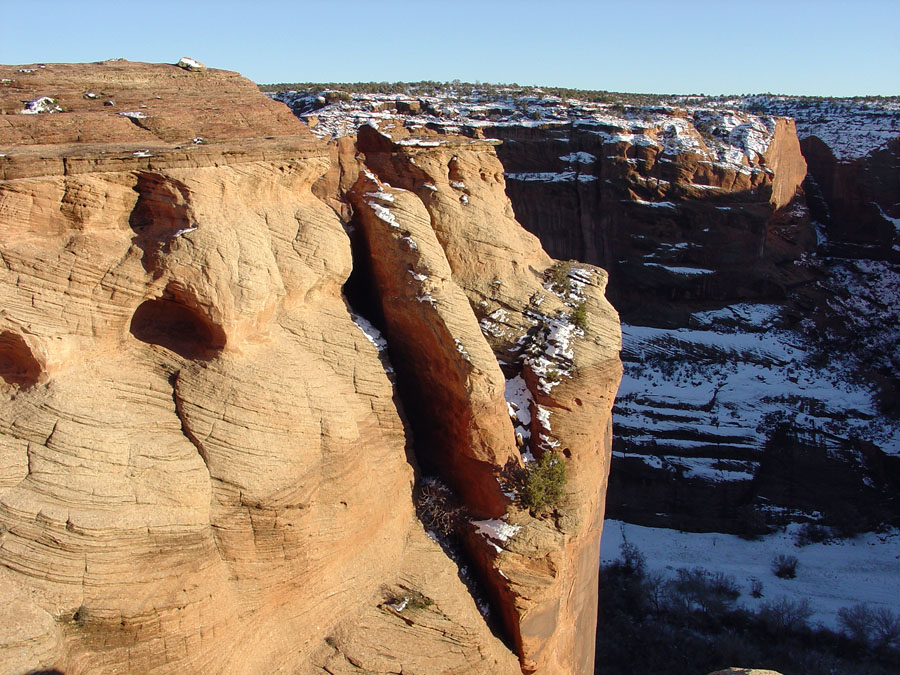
[
  {"x": 209, "y": 452},
  {"x": 749, "y": 293},
  {"x": 752, "y": 245},
  {"x": 757, "y": 295},
  {"x": 659, "y": 208}
]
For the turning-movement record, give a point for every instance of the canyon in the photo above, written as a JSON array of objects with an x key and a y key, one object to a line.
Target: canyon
[
  {"x": 752, "y": 246},
  {"x": 234, "y": 358},
  {"x": 273, "y": 388}
]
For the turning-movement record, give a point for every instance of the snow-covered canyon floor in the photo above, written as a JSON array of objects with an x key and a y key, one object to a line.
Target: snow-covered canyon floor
[{"x": 830, "y": 575}]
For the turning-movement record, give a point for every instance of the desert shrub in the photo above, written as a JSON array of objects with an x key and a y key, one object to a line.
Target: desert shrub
[
  {"x": 631, "y": 561},
  {"x": 332, "y": 96},
  {"x": 785, "y": 615},
  {"x": 545, "y": 480},
  {"x": 579, "y": 315},
  {"x": 558, "y": 276},
  {"x": 856, "y": 622},
  {"x": 886, "y": 629},
  {"x": 811, "y": 533},
  {"x": 625, "y": 583},
  {"x": 756, "y": 587},
  {"x": 876, "y": 628},
  {"x": 437, "y": 507},
  {"x": 419, "y": 601},
  {"x": 655, "y": 588},
  {"x": 639, "y": 634},
  {"x": 784, "y": 566},
  {"x": 697, "y": 589}
]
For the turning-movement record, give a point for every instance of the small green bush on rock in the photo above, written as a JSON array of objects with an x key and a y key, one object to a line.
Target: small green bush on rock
[
  {"x": 558, "y": 275},
  {"x": 545, "y": 480},
  {"x": 579, "y": 315}
]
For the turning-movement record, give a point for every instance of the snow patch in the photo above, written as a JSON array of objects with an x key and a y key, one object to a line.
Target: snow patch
[
  {"x": 683, "y": 271},
  {"x": 372, "y": 334},
  {"x": 831, "y": 575},
  {"x": 496, "y": 529},
  {"x": 383, "y": 213},
  {"x": 519, "y": 400},
  {"x": 579, "y": 157},
  {"x": 44, "y": 104}
]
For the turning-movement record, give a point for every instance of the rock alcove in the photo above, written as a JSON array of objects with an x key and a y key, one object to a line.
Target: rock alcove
[
  {"x": 18, "y": 366},
  {"x": 171, "y": 322}
]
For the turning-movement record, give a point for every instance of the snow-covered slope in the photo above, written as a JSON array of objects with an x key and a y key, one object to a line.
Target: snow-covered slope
[
  {"x": 852, "y": 128},
  {"x": 702, "y": 401},
  {"x": 830, "y": 575},
  {"x": 728, "y": 135}
]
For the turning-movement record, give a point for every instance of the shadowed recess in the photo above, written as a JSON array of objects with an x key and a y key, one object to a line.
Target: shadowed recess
[
  {"x": 161, "y": 213},
  {"x": 172, "y": 323},
  {"x": 17, "y": 364}
]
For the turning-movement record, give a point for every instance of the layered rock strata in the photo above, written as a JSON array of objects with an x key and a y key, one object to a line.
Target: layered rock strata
[
  {"x": 446, "y": 217},
  {"x": 757, "y": 277},
  {"x": 206, "y": 455},
  {"x": 673, "y": 213}
]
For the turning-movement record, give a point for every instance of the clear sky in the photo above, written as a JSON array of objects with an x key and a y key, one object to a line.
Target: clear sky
[{"x": 824, "y": 47}]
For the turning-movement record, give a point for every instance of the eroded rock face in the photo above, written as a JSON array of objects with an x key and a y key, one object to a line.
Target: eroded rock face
[
  {"x": 446, "y": 217},
  {"x": 671, "y": 214},
  {"x": 206, "y": 461}
]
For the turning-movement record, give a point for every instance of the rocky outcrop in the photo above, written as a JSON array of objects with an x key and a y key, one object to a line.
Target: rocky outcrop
[
  {"x": 851, "y": 147},
  {"x": 207, "y": 458},
  {"x": 674, "y": 206},
  {"x": 673, "y": 197},
  {"x": 444, "y": 226},
  {"x": 747, "y": 296}
]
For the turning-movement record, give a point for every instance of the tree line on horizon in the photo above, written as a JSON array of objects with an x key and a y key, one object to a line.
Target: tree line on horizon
[{"x": 435, "y": 87}]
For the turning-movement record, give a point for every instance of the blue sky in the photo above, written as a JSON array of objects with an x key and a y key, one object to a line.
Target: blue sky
[{"x": 793, "y": 46}]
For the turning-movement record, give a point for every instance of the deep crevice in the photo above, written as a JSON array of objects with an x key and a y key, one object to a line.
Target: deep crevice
[
  {"x": 445, "y": 519},
  {"x": 186, "y": 432},
  {"x": 359, "y": 289},
  {"x": 363, "y": 298}
]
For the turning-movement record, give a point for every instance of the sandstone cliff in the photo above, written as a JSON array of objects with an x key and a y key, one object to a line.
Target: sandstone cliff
[
  {"x": 754, "y": 267},
  {"x": 673, "y": 213},
  {"x": 208, "y": 454}
]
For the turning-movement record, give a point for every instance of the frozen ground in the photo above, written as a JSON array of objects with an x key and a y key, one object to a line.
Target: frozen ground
[
  {"x": 714, "y": 389},
  {"x": 702, "y": 401},
  {"x": 831, "y": 575},
  {"x": 852, "y": 128}
]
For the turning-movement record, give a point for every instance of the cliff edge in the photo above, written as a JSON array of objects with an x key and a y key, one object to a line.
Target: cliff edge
[{"x": 231, "y": 354}]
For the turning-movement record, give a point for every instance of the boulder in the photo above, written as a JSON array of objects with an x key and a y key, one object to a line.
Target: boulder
[{"x": 193, "y": 65}]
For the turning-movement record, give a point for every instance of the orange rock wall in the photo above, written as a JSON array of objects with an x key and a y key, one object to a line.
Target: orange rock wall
[{"x": 205, "y": 464}]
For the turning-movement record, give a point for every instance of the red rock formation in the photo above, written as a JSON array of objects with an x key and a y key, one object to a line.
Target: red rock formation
[
  {"x": 638, "y": 199},
  {"x": 204, "y": 462},
  {"x": 466, "y": 257}
]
